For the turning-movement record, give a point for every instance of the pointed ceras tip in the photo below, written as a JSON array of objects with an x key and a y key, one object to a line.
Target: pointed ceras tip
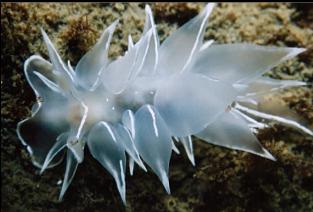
[
  {"x": 294, "y": 52},
  {"x": 268, "y": 155},
  {"x": 165, "y": 182},
  {"x": 148, "y": 9}
]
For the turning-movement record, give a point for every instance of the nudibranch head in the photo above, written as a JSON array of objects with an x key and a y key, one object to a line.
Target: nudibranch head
[{"x": 152, "y": 97}]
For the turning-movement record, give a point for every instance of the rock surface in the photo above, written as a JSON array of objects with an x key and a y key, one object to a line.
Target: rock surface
[{"x": 222, "y": 179}]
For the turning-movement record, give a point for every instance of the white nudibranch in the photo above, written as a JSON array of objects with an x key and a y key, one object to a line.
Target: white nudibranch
[{"x": 136, "y": 105}]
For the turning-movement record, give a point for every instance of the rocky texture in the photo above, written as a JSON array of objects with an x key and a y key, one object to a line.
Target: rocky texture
[{"x": 222, "y": 179}]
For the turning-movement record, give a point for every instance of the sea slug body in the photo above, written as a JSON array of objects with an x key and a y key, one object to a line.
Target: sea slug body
[{"x": 152, "y": 97}]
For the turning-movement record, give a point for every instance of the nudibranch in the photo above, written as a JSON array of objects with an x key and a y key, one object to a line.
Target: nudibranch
[{"x": 152, "y": 97}]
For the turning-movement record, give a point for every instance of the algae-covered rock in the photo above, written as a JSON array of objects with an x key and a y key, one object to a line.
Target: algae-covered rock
[{"x": 223, "y": 179}]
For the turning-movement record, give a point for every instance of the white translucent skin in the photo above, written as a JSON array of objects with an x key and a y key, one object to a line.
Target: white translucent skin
[
  {"x": 139, "y": 103},
  {"x": 189, "y": 117},
  {"x": 151, "y": 131}
]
